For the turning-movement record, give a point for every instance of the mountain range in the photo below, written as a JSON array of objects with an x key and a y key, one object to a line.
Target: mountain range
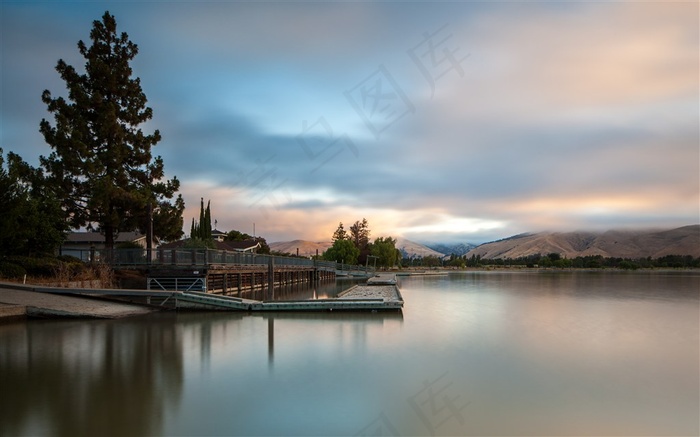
[
  {"x": 458, "y": 249},
  {"x": 411, "y": 249},
  {"x": 613, "y": 243}
]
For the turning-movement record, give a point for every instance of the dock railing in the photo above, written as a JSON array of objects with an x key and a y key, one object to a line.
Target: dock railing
[{"x": 201, "y": 258}]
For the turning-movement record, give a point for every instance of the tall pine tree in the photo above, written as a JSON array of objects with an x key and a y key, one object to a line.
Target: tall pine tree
[{"x": 101, "y": 165}]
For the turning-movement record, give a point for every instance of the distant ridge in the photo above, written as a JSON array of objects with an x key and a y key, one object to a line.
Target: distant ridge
[
  {"x": 410, "y": 249},
  {"x": 614, "y": 243},
  {"x": 306, "y": 248},
  {"x": 458, "y": 249}
]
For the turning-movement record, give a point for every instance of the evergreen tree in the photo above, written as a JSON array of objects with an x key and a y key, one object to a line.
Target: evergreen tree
[
  {"x": 201, "y": 224},
  {"x": 168, "y": 221},
  {"x": 201, "y": 229},
  {"x": 359, "y": 234},
  {"x": 101, "y": 166},
  {"x": 31, "y": 220},
  {"x": 340, "y": 233},
  {"x": 206, "y": 231}
]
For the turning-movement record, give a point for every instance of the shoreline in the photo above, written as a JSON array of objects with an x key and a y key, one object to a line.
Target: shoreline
[{"x": 448, "y": 270}]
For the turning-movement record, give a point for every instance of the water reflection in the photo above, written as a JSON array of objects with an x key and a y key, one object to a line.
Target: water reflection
[
  {"x": 503, "y": 354},
  {"x": 303, "y": 290},
  {"x": 89, "y": 377}
]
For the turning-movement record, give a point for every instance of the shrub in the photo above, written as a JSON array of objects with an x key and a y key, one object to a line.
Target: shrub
[
  {"x": 44, "y": 267},
  {"x": 11, "y": 271},
  {"x": 70, "y": 259}
]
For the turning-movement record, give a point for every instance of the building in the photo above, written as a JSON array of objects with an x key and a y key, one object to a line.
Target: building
[
  {"x": 217, "y": 235},
  {"x": 80, "y": 244},
  {"x": 240, "y": 246}
]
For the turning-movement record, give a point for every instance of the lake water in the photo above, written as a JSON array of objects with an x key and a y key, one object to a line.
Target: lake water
[{"x": 486, "y": 353}]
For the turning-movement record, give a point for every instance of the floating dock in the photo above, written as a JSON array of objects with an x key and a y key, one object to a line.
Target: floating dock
[{"x": 110, "y": 303}]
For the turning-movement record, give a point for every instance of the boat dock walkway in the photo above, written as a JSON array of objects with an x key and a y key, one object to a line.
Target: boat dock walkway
[{"x": 37, "y": 301}]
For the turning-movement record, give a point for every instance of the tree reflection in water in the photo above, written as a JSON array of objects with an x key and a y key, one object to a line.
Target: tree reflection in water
[{"x": 89, "y": 377}]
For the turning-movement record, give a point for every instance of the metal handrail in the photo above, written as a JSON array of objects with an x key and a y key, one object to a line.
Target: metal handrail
[{"x": 200, "y": 258}]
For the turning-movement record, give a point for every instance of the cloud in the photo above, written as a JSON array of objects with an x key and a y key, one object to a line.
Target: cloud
[{"x": 564, "y": 115}]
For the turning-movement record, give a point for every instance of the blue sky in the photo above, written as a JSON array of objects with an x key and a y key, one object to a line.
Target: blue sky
[{"x": 456, "y": 121}]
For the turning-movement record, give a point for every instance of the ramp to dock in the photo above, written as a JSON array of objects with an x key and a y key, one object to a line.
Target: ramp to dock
[{"x": 41, "y": 304}]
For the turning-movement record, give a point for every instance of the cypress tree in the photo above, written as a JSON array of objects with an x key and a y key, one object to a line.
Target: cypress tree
[
  {"x": 207, "y": 222},
  {"x": 200, "y": 224}
]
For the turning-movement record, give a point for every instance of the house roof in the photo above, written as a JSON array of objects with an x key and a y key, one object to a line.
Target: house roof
[
  {"x": 220, "y": 245},
  {"x": 96, "y": 237},
  {"x": 240, "y": 245}
]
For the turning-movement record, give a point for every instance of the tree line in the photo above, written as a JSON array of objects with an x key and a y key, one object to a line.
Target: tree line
[
  {"x": 555, "y": 260},
  {"x": 355, "y": 247}
]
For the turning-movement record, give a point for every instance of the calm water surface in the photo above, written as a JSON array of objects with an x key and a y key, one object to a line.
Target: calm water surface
[{"x": 472, "y": 354}]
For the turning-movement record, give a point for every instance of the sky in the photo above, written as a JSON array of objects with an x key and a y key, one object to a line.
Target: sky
[{"x": 437, "y": 122}]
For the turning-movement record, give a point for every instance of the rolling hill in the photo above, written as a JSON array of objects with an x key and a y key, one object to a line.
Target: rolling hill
[
  {"x": 613, "y": 243},
  {"x": 306, "y": 248}
]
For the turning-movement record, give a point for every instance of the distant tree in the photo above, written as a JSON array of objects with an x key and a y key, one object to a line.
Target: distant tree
[
  {"x": 167, "y": 220},
  {"x": 563, "y": 263},
  {"x": 31, "y": 220},
  {"x": 385, "y": 251},
  {"x": 628, "y": 265},
  {"x": 202, "y": 229},
  {"x": 340, "y": 233},
  {"x": 359, "y": 234},
  {"x": 430, "y": 261},
  {"x": 474, "y": 261},
  {"x": 206, "y": 228},
  {"x": 193, "y": 229},
  {"x": 198, "y": 243},
  {"x": 241, "y": 236},
  {"x": 101, "y": 166},
  {"x": 457, "y": 261},
  {"x": 342, "y": 251},
  {"x": 264, "y": 247},
  {"x": 545, "y": 261},
  {"x": 237, "y": 236},
  {"x": 201, "y": 224}
]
